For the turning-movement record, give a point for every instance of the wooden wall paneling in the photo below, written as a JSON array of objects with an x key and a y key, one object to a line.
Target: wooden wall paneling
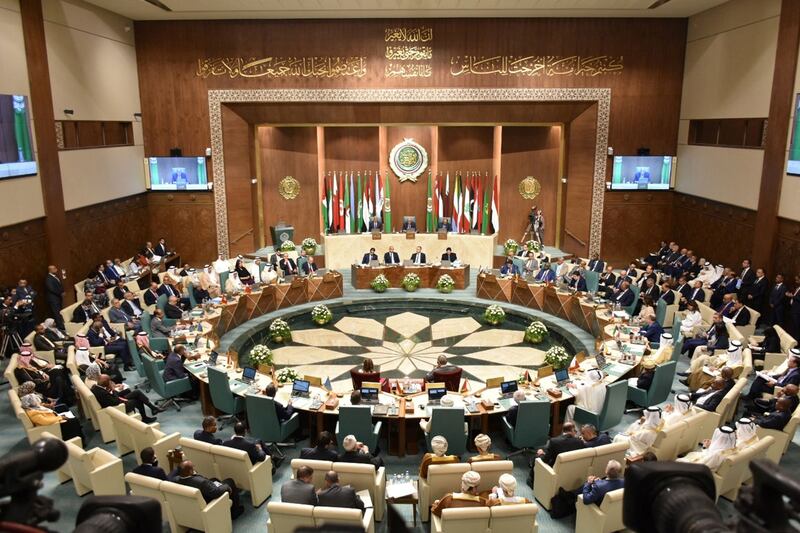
[
  {"x": 186, "y": 220},
  {"x": 719, "y": 232},
  {"x": 787, "y": 255},
  {"x": 581, "y": 135},
  {"x": 466, "y": 149},
  {"x": 242, "y": 220},
  {"x": 23, "y": 254},
  {"x": 291, "y": 151},
  {"x": 529, "y": 151},
  {"x": 409, "y": 198},
  {"x": 321, "y": 171},
  {"x": 633, "y": 224}
]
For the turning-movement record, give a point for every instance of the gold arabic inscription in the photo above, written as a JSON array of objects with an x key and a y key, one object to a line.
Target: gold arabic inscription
[
  {"x": 510, "y": 65},
  {"x": 283, "y": 67}
]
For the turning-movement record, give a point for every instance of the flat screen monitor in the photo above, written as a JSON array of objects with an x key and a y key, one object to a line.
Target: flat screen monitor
[
  {"x": 17, "y": 157},
  {"x": 793, "y": 166},
  {"x": 648, "y": 173},
  {"x": 369, "y": 394},
  {"x": 249, "y": 373},
  {"x": 212, "y": 358},
  {"x": 176, "y": 173},
  {"x": 436, "y": 394},
  {"x": 508, "y": 387},
  {"x": 300, "y": 386},
  {"x": 562, "y": 375}
]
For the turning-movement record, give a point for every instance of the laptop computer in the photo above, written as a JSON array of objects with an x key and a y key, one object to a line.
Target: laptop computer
[
  {"x": 300, "y": 388},
  {"x": 435, "y": 395},
  {"x": 408, "y": 262},
  {"x": 508, "y": 388},
  {"x": 248, "y": 375},
  {"x": 562, "y": 376},
  {"x": 374, "y": 263},
  {"x": 212, "y": 358},
  {"x": 369, "y": 395},
  {"x": 600, "y": 359},
  {"x": 446, "y": 263}
]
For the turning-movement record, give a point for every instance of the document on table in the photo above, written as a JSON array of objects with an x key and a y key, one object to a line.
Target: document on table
[
  {"x": 400, "y": 490},
  {"x": 364, "y": 495}
]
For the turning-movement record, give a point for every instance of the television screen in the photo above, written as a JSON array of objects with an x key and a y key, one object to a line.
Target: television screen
[
  {"x": 177, "y": 173},
  {"x": 793, "y": 166},
  {"x": 642, "y": 172},
  {"x": 16, "y": 147}
]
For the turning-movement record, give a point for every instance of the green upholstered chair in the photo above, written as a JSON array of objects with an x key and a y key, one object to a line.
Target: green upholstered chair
[
  {"x": 532, "y": 427},
  {"x": 592, "y": 280},
  {"x": 661, "y": 311},
  {"x": 264, "y": 423},
  {"x": 159, "y": 344},
  {"x": 677, "y": 346},
  {"x": 613, "y": 408},
  {"x": 168, "y": 390},
  {"x": 676, "y": 326},
  {"x": 161, "y": 301},
  {"x": 190, "y": 290},
  {"x": 223, "y": 278},
  {"x": 222, "y": 397},
  {"x": 301, "y": 260},
  {"x": 449, "y": 423},
  {"x": 631, "y": 308},
  {"x": 137, "y": 361},
  {"x": 357, "y": 420},
  {"x": 659, "y": 388}
]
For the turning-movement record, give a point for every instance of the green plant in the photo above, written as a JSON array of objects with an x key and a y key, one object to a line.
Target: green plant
[
  {"x": 380, "y": 283},
  {"x": 410, "y": 282},
  {"x": 279, "y": 331},
  {"x": 260, "y": 355},
  {"x": 511, "y": 246},
  {"x": 557, "y": 357},
  {"x": 535, "y": 332},
  {"x": 445, "y": 283},
  {"x": 287, "y": 246},
  {"x": 534, "y": 246},
  {"x": 321, "y": 314},
  {"x": 309, "y": 245},
  {"x": 494, "y": 315},
  {"x": 286, "y": 375}
]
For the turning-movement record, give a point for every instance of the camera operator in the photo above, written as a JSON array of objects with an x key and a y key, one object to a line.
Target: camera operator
[
  {"x": 23, "y": 300},
  {"x": 14, "y": 318}
]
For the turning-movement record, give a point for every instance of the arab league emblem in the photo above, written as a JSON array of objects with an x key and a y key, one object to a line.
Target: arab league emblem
[
  {"x": 529, "y": 188},
  {"x": 408, "y": 160},
  {"x": 289, "y": 188}
]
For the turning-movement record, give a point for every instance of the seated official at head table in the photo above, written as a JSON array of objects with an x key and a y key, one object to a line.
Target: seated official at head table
[
  {"x": 418, "y": 257},
  {"x": 409, "y": 224},
  {"x": 577, "y": 281},
  {"x": 545, "y": 274},
  {"x": 449, "y": 255},
  {"x": 369, "y": 257},
  {"x": 391, "y": 257},
  {"x": 374, "y": 224},
  {"x": 509, "y": 268},
  {"x": 441, "y": 366},
  {"x": 310, "y": 266}
]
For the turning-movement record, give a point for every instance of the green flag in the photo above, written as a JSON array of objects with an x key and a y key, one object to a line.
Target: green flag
[
  {"x": 347, "y": 224},
  {"x": 325, "y": 201},
  {"x": 387, "y": 206},
  {"x": 429, "y": 220},
  {"x": 360, "y": 206},
  {"x": 487, "y": 198}
]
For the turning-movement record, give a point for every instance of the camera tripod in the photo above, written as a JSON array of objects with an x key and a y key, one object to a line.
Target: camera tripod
[{"x": 10, "y": 338}]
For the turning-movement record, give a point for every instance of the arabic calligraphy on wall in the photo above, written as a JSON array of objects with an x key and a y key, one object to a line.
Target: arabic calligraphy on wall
[
  {"x": 408, "y": 70},
  {"x": 422, "y": 34},
  {"x": 414, "y": 53},
  {"x": 283, "y": 67},
  {"x": 512, "y": 65},
  {"x": 408, "y": 61}
]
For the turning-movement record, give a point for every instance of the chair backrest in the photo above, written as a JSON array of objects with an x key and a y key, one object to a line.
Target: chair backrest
[
  {"x": 662, "y": 383},
  {"x": 605, "y": 453},
  {"x": 356, "y": 420},
  {"x": 154, "y": 375},
  {"x": 16, "y": 405},
  {"x": 199, "y": 453},
  {"x": 635, "y": 290},
  {"x": 149, "y": 487},
  {"x": 466, "y": 519},
  {"x": 706, "y": 312},
  {"x": 190, "y": 290},
  {"x": 450, "y": 378},
  {"x": 533, "y": 423},
  {"x": 571, "y": 468},
  {"x": 519, "y": 518},
  {"x": 287, "y": 517},
  {"x": 262, "y": 418},
  {"x": 221, "y": 395},
  {"x": 611, "y": 507},
  {"x": 161, "y": 301},
  {"x": 320, "y": 468},
  {"x": 445, "y": 478},
  {"x": 134, "y": 350},
  {"x": 358, "y": 377},
  {"x": 186, "y": 504},
  {"x": 9, "y": 372},
  {"x": 234, "y": 464},
  {"x": 85, "y": 397},
  {"x": 732, "y": 398},
  {"x": 592, "y": 280},
  {"x": 787, "y": 341},
  {"x": 358, "y": 476},
  {"x": 661, "y": 311},
  {"x": 80, "y": 463},
  {"x": 735, "y": 468},
  {"x": 144, "y": 321},
  {"x": 490, "y": 472},
  {"x": 449, "y": 422},
  {"x": 336, "y": 515},
  {"x": 695, "y": 423},
  {"x": 666, "y": 445},
  {"x": 613, "y": 405}
]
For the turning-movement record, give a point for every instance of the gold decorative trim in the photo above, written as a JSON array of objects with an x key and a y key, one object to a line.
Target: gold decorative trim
[
  {"x": 289, "y": 188},
  {"x": 217, "y": 97}
]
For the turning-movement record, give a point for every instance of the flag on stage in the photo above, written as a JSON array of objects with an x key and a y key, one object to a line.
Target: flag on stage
[
  {"x": 335, "y": 204},
  {"x": 487, "y": 200},
  {"x": 325, "y": 202},
  {"x": 352, "y": 203},
  {"x": 429, "y": 208},
  {"x": 439, "y": 201},
  {"x": 346, "y": 204},
  {"x": 467, "y": 224},
  {"x": 341, "y": 202},
  {"x": 479, "y": 201},
  {"x": 366, "y": 213},
  {"x": 447, "y": 211},
  {"x": 386, "y": 202},
  {"x": 496, "y": 205},
  {"x": 379, "y": 195},
  {"x": 475, "y": 202},
  {"x": 360, "y": 205}
]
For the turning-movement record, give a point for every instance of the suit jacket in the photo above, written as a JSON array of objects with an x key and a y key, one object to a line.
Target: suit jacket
[
  {"x": 725, "y": 309},
  {"x": 319, "y": 454},
  {"x": 104, "y": 397},
  {"x": 284, "y": 412},
  {"x": 53, "y": 286},
  {"x": 173, "y": 368},
  {"x": 374, "y": 225},
  {"x": 119, "y": 293},
  {"x": 296, "y": 491},
  {"x": 608, "y": 280},
  {"x": 391, "y": 258},
  {"x": 308, "y": 268},
  {"x": 545, "y": 275},
  {"x": 410, "y": 225},
  {"x": 356, "y": 457},
  {"x": 653, "y": 292},
  {"x": 748, "y": 278},
  {"x": 644, "y": 380},
  {"x": 339, "y": 496},
  {"x": 81, "y": 314},
  {"x": 791, "y": 377},
  {"x": 160, "y": 249},
  {"x": 157, "y": 328},
  {"x": 210, "y": 489},
  {"x": 578, "y": 285},
  {"x": 506, "y": 269},
  {"x": 95, "y": 339},
  {"x": 774, "y": 420},
  {"x": 685, "y": 290},
  {"x": 698, "y": 295},
  {"x": 111, "y": 273},
  {"x": 148, "y": 470},
  {"x": 241, "y": 443},
  {"x": 624, "y": 298},
  {"x": 560, "y": 444},
  {"x": 368, "y": 257},
  {"x": 173, "y": 311},
  {"x": 128, "y": 307},
  {"x": 742, "y": 316},
  {"x": 758, "y": 290},
  {"x": 596, "y": 265},
  {"x": 511, "y": 415},
  {"x": 204, "y": 436},
  {"x": 41, "y": 342},
  {"x": 449, "y": 257},
  {"x": 169, "y": 290},
  {"x": 777, "y": 296},
  {"x": 419, "y": 258},
  {"x": 150, "y": 297},
  {"x": 118, "y": 316},
  {"x": 600, "y": 440},
  {"x": 668, "y": 297},
  {"x": 712, "y": 402},
  {"x": 652, "y": 332},
  {"x": 288, "y": 266},
  {"x": 595, "y": 492}
]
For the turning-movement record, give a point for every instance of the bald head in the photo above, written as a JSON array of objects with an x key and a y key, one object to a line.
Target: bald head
[
  {"x": 186, "y": 469},
  {"x": 726, "y": 373},
  {"x": 441, "y": 360},
  {"x": 104, "y": 380},
  {"x": 790, "y": 390},
  {"x": 568, "y": 427},
  {"x": 783, "y": 404}
]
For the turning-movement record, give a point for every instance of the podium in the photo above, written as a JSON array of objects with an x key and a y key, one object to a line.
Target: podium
[{"x": 281, "y": 232}]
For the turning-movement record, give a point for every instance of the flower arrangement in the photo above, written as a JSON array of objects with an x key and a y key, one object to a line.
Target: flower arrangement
[
  {"x": 287, "y": 246},
  {"x": 534, "y": 246},
  {"x": 286, "y": 375},
  {"x": 511, "y": 246},
  {"x": 410, "y": 282},
  {"x": 321, "y": 314},
  {"x": 309, "y": 245},
  {"x": 535, "y": 332},
  {"x": 260, "y": 356},
  {"x": 380, "y": 283},
  {"x": 557, "y": 357},
  {"x": 445, "y": 284},
  {"x": 279, "y": 331},
  {"x": 494, "y": 315}
]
